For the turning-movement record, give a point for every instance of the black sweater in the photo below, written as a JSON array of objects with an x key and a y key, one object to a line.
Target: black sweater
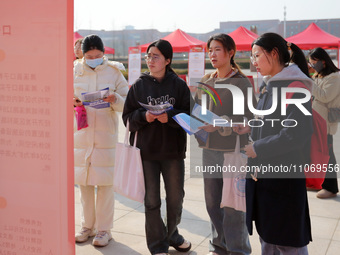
[{"x": 158, "y": 141}]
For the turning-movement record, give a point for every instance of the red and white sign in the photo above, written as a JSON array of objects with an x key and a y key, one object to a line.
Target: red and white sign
[
  {"x": 134, "y": 65},
  {"x": 196, "y": 66}
]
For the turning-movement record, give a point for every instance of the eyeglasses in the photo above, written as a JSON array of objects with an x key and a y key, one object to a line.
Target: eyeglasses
[
  {"x": 150, "y": 58},
  {"x": 254, "y": 58}
]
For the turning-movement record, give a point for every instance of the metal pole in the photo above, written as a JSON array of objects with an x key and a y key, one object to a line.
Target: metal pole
[{"x": 284, "y": 22}]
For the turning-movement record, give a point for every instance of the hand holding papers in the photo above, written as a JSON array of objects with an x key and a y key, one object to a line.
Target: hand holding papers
[
  {"x": 157, "y": 109},
  {"x": 209, "y": 117},
  {"x": 188, "y": 123},
  {"x": 95, "y": 99},
  {"x": 192, "y": 124}
]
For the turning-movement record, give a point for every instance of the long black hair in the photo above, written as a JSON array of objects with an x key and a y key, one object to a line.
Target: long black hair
[
  {"x": 165, "y": 48},
  {"x": 273, "y": 41},
  {"x": 322, "y": 55},
  {"x": 228, "y": 44}
]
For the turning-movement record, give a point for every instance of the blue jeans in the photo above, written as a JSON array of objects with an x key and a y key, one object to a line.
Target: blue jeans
[
  {"x": 229, "y": 231},
  {"x": 272, "y": 249},
  {"x": 160, "y": 235}
]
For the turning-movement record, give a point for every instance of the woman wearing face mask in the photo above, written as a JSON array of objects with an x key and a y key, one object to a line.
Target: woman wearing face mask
[
  {"x": 326, "y": 94},
  {"x": 94, "y": 146},
  {"x": 162, "y": 143},
  {"x": 229, "y": 232},
  {"x": 277, "y": 200}
]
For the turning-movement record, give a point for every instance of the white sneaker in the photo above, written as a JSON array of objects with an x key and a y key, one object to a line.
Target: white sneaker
[
  {"x": 102, "y": 238},
  {"x": 84, "y": 234}
]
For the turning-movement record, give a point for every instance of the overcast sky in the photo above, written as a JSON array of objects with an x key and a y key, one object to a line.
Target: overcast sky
[{"x": 195, "y": 16}]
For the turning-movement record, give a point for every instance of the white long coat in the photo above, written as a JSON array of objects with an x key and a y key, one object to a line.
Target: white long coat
[
  {"x": 94, "y": 146},
  {"x": 327, "y": 95}
]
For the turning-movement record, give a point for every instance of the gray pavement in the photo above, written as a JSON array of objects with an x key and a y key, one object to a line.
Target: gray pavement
[{"x": 129, "y": 235}]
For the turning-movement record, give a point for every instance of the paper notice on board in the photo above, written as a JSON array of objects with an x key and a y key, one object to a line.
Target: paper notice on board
[
  {"x": 134, "y": 64},
  {"x": 196, "y": 67}
]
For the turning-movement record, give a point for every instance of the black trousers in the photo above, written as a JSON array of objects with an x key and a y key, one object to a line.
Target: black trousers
[
  {"x": 160, "y": 234},
  {"x": 331, "y": 182}
]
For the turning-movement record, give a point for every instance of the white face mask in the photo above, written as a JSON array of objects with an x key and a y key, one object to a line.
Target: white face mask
[{"x": 94, "y": 62}]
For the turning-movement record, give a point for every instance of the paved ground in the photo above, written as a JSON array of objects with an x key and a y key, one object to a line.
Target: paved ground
[{"x": 129, "y": 236}]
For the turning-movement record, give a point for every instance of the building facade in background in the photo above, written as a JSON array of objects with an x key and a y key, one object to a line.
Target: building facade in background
[{"x": 121, "y": 40}]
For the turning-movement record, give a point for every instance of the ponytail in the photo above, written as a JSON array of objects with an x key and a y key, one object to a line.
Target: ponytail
[
  {"x": 169, "y": 69},
  {"x": 236, "y": 66},
  {"x": 298, "y": 58},
  {"x": 272, "y": 41}
]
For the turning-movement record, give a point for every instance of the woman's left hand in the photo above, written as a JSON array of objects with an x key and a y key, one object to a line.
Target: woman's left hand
[
  {"x": 249, "y": 150},
  {"x": 163, "y": 118},
  {"x": 110, "y": 99}
]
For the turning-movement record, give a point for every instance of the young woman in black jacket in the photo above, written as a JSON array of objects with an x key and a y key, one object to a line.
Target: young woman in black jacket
[{"x": 162, "y": 143}]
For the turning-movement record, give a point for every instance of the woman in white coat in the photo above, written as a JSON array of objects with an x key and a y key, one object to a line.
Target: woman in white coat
[
  {"x": 94, "y": 146},
  {"x": 326, "y": 93}
]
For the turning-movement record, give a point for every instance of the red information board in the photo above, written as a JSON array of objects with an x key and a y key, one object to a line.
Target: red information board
[{"x": 36, "y": 127}]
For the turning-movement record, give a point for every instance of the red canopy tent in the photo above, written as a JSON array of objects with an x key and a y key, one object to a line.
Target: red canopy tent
[
  {"x": 76, "y": 36},
  {"x": 179, "y": 40},
  {"x": 243, "y": 38},
  {"x": 108, "y": 50},
  {"x": 313, "y": 37}
]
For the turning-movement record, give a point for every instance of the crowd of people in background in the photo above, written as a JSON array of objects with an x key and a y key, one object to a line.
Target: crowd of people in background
[{"x": 278, "y": 205}]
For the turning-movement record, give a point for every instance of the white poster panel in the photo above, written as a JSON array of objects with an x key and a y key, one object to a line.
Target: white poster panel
[
  {"x": 196, "y": 65},
  {"x": 134, "y": 64},
  {"x": 36, "y": 128}
]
